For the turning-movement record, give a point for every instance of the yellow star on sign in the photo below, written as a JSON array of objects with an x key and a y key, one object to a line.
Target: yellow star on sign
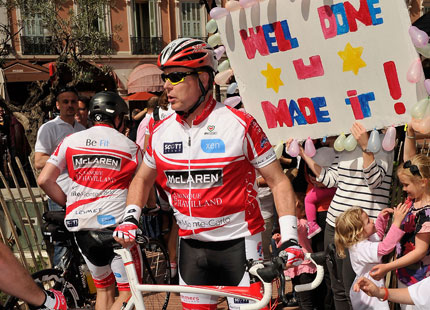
[
  {"x": 273, "y": 77},
  {"x": 352, "y": 58}
]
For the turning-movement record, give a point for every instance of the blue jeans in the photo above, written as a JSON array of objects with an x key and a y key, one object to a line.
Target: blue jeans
[{"x": 59, "y": 251}]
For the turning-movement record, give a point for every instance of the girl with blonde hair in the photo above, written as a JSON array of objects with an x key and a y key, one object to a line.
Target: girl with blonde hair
[
  {"x": 413, "y": 258},
  {"x": 362, "y": 237}
]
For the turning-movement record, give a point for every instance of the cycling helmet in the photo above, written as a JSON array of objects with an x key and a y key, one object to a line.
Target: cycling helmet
[
  {"x": 105, "y": 105},
  {"x": 188, "y": 53},
  {"x": 193, "y": 54}
]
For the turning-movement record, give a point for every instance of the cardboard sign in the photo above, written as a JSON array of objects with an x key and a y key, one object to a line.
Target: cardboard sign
[{"x": 310, "y": 68}]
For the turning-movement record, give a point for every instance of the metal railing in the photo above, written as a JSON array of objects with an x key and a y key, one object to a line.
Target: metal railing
[
  {"x": 37, "y": 45},
  {"x": 146, "y": 45}
]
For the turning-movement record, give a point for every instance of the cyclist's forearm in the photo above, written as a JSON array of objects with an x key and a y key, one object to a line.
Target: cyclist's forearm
[
  {"x": 140, "y": 186},
  {"x": 22, "y": 285}
]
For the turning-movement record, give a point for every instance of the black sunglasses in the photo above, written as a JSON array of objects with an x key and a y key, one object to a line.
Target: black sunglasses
[
  {"x": 412, "y": 168},
  {"x": 176, "y": 77}
]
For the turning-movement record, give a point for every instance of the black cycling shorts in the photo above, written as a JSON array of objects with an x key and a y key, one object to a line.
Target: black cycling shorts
[
  {"x": 93, "y": 251},
  {"x": 212, "y": 263}
]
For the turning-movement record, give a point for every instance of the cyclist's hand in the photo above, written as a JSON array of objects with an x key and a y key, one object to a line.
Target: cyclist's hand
[
  {"x": 54, "y": 301},
  {"x": 291, "y": 252},
  {"x": 125, "y": 232},
  {"x": 295, "y": 256}
]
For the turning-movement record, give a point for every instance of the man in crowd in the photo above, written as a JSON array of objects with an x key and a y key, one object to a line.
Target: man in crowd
[
  {"x": 82, "y": 114},
  {"x": 204, "y": 156},
  {"x": 49, "y": 137},
  {"x": 101, "y": 162},
  {"x": 16, "y": 281}
]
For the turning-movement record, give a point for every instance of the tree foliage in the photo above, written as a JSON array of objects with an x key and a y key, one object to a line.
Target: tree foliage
[{"x": 77, "y": 36}]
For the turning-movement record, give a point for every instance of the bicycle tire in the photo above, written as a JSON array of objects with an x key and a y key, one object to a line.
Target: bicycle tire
[
  {"x": 48, "y": 278},
  {"x": 156, "y": 270}
]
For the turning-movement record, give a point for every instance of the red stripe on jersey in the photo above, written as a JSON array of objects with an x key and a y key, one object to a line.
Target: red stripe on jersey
[{"x": 79, "y": 203}]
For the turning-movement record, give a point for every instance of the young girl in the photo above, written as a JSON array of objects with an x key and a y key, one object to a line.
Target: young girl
[
  {"x": 305, "y": 272},
  {"x": 355, "y": 231},
  {"x": 413, "y": 258}
]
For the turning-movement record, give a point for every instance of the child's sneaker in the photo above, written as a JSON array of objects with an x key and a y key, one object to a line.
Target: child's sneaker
[{"x": 313, "y": 229}]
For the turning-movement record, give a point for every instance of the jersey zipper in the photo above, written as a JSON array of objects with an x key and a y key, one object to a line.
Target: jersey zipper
[{"x": 189, "y": 173}]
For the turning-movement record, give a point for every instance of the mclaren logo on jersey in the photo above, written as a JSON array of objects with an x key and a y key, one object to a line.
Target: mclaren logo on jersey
[
  {"x": 204, "y": 178},
  {"x": 96, "y": 161}
]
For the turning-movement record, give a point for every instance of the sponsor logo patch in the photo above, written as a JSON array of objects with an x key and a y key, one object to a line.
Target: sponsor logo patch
[
  {"x": 96, "y": 161},
  {"x": 204, "y": 178},
  {"x": 72, "y": 223},
  {"x": 263, "y": 142},
  {"x": 172, "y": 147},
  {"x": 241, "y": 301},
  {"x": 212, "y": 146},
  {"x": 105, "y": 219}
]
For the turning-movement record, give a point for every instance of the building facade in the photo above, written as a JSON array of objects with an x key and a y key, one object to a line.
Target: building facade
[{"x": 146, "y": 27}]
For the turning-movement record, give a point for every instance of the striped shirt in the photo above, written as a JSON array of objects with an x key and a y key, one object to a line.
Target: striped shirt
[{"x": 367, "y": 188}]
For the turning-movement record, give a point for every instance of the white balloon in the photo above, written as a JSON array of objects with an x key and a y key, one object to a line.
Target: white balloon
[{"x": 231, "y": 88}]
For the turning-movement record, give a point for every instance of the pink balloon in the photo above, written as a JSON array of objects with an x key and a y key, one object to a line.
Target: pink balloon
[
  {"x": 427, "y": 85},
  {"x": 222, "y": 77},
  {"x": 232, "y": 101},
  {"x": 310, "y": 148},
  {"x": 217, "y": 13},
  {"x": 293, "y": 149},
  {"x": 247, "y": 3},
  {"x": 232, "y": 5},
  {"x": 389, "y": 139},
  {"x": 219, "y": 51},
  {"x": 419, "y": 37},
  {"x": 415, "y": 71}
]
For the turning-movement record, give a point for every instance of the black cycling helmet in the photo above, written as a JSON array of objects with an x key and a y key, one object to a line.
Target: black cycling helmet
[{"x": 106, "y": 105}]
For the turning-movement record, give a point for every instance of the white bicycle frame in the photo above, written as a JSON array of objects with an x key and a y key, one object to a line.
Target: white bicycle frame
[{"x": 137, "y": 301}]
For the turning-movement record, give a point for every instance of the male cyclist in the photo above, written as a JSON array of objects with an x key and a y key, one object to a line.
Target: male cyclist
[
  {"x": 204, "y": 156},
  {"x": 101, "y": 162}
]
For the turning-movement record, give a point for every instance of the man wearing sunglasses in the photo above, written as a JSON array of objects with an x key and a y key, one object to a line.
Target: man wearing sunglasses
[{"x": 204, "y": 157}]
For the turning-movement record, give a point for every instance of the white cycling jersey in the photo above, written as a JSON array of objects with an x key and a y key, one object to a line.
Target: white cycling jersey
[
  {"x": 208, "y": 171},
  {"x": 101, "y": 163}
]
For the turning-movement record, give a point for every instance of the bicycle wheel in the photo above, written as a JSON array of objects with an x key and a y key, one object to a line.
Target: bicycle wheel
[
  {"x": 156, "y": 270},
  {"x": 47, "y": 278}
]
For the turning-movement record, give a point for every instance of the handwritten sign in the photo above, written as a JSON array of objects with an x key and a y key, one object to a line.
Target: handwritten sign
[{"x": 309, "y": 68}]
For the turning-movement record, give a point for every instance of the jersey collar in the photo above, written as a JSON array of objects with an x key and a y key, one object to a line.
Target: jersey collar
[
  {"x": 103, "y": 125},
  {"x": 209, "y": 106}
]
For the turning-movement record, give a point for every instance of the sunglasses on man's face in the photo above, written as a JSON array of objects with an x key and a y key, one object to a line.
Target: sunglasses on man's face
[
  {"x": 412, "y": 168},
  {"x": 176, "y": 77}
]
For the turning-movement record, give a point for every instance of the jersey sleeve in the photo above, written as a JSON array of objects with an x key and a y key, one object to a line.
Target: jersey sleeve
[
  {"x": 58, "y": 158},
  {"x": 257, "y": 147},
  {"x": 149, "y": 152}
]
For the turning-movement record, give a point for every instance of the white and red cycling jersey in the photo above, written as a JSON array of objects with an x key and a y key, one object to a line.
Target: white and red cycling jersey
[
  {"x": 101, "y": 163},
  {"x": 208, "y": 171}
]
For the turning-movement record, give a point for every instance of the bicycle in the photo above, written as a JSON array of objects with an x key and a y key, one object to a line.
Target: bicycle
[
  {"x": 73, "y": 279},
  {"x": 265, "y": 272}
]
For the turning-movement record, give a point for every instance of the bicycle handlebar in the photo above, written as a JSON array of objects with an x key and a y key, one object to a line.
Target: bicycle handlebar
[{"x": 319, "y": 276}]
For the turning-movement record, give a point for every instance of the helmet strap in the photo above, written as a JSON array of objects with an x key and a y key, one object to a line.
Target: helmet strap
[
  {"x": 121, "y": 121},
  {"x": 201, "y": 99}
]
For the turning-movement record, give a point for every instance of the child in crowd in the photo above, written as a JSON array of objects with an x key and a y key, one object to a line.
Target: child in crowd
[
  {"x": 355, "y": 231},
  {"x": 413, "y": 258},
  {"x": 305, "y": 272},
  {"x": 317, "y": 194}
]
